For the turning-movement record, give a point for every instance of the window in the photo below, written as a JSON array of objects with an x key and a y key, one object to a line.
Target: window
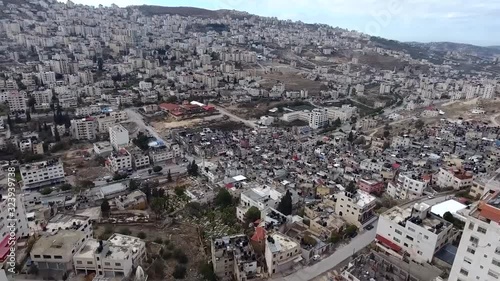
[
  {"x": 396, "y": 239},
  {"x": 37, "y": 256},
  {"x": 107, "y": 263},
  {"x": 78, "y": 262},
  {"x": 467, "y": 260},
  {"x": 406, "y": 245},
  {"x": 411, "y": 229},
  {"x": 471, "y": 250},
  {"x": 398, "y": 232},
  {"x": 46, "y": 256},
  {"x": 496, "y": 262},
  {"x": 481, "y": 230},
  {"x": 464, "y": 272},
  {"x": 471, "y": 225},
  {"x": 493, "y": 274},
  {"x": 89, "y": 262},
  {"x": 474, "y": 240},
  {"x": 58, "y": 257},
  {"x": 426, "y": 237},
  {"x": 409, "y": 237},
  {"x": 118, "y": 264}
]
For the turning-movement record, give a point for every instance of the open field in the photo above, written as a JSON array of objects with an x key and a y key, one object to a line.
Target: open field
[{"x": 79, "y": 162}]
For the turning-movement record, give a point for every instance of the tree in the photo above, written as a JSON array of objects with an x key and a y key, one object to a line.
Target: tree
[
  {"x": 350, "y": 229},
  {"x": 449, "y": 217},
  {"x": 66, "y": 187},
  {"x": 46, "y": 191},
  {"x": 252, "y": 214},
  {"x": 180, "y": 256},
  {"x": 9, "y": 122},
  {"x": 207, "y": 271},
  {"x": 309, "y": 240},
  {"x": 105, "y": 208},
  {"x": 57, "y": 138},
  {"x": 45, "y": 127},
  {"x": 386, "y": 133},
  {"x": 419, "y": 124},
  {"x": 158, "y": 206},
  {"x": 133, "y": 185},
  {"x": 192, "y": 169},
  {"x": 179, "y": 191},
  {"x": 157, "y": 169},
  {"x": 350, "y": 137},
  {"x": 337, "y": 123},
  {"x": 169, "y": 176},
  {"x": 351, "y": 187},
  {"x": 223, "y": 198},
  {"x": 285, "y": 206},
  {"x": 335, "y": 238},
  {"x": 386, "y": 145},
  {"x": 179, "y": 272}
]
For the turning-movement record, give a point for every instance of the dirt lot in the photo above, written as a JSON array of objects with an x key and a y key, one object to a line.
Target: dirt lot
[
  {"x": 381, "y": 61},
  {"x": 79, "y": 162},
  {"x": 292, "y": 78},
  {"x": 172, "y": 239}
]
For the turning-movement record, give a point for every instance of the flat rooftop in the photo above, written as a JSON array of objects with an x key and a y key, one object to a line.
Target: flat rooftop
[
  {"x": 63, "y": 221},
  {"x": 281, "y": 243},
  {"x": 430, "y": 222},
  {"x": 58, "y": 244},
  {"x": 364, "y": 198}
]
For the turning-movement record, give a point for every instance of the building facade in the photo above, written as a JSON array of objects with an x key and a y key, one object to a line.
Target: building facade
[{"x": 39, "y": 174}]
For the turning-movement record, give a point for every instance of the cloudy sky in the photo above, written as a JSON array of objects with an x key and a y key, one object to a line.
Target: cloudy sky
[{"x": 475, "y": 22}]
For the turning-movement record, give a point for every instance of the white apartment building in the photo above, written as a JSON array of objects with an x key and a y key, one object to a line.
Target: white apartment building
[
  {"x": 355, "y": 208},
  {"x": 115, "y": 257},
  {"x": 167, "y": 153},
  {"x": 282, "y": 253},
  {"x": 371, "y": 165},
  {"x": 21, "y": 221},
  {"x": 42, "y": 173},
  {"x": 406, "y": 187},
  {"x": 318, "y": 118},
  {"x": 83, "y": 129},
  {"x": 48, "y": 77},
  {"x": 260, "y": 197},
  {"x": 53, "y": 253},
  {"x": 120, "y": 160},
  {"x": 76, "y": 223},
  {"x": 140, "y": 159},
  {"x": 401, "y": 141},
  {"x": 478, "y": 254},
  {"x": 118, "y": 136},
  {"x": 233, "y": 258},
  {"x": 454, "y": 177},
  {"x": 103, "y": 148},
  {"x": 88, "y": 110},
  {"x": 17, "y": 101},
  {"x": 414, "y": 231}
]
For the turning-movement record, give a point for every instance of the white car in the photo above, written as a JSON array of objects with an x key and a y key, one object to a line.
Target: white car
[{"x": 316, "y": 257}]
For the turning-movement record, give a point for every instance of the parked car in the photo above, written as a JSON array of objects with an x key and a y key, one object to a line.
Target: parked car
[{"x": 369, "y": 227}]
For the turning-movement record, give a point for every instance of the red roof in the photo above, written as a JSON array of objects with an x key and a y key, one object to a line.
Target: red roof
[
  {"x": 169, "y": 106},
  {"x": 208, "y": 107},
  {"x": 396, "y": 166},
  {"x": 388, "y": 243},
  {"x": 229, "y": 185},
  {"x": 4, "y": 248},
  {"x": 259, "y": 235}
]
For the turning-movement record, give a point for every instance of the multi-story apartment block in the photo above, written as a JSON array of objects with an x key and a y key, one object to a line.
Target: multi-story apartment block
[
  {"x": 233, "y": 258},
  {"x": 478, "y": 254},
  {"x": 118, "y": 136},
  {"x": 318, "y": 118},
  {"x": 164, "y": 153},
  {"x": 406, "y": 186},
  {"x": 103, "y": 148},
  {"x": 116, "y": 257},
  {"x": 17, "y": 101},
  {"x": 120, "y": 160},
  {"x": 454, "y": 177},
  {"x": 282, "y": 253},
  {"x": 140, "y": 159},
  {"x": 401, "y": 141},
  {"x": 371, "y": 185},
  {"x": 88, "y": 110},
  {"x": 356, "y": 208},
  {"x": 414, "y": 231},
  {"x": 53, "y": 253},
  {"x": 260, "y": 197},
  {"x": 83, "y": 129},
  {"x": 18, "y": 220},
  {"x": 38, "y": 174}
]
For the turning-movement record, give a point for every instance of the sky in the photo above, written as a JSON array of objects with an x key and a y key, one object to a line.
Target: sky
[{"x": 463, "y": 21}]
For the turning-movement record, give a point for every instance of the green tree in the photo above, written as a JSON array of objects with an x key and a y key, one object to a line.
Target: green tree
[
  {"x": 66, "y": 187},
  {"x": 169, "y": 176},
  {"x": 207, "y": 272},
  {"x": 46, "y": 191},
  {"x": 133, "y": 185},
  {"x": 449, "y": 217},
  {"x": 351, "y": 187},
  {"x": 285, "y": 206},
  {"x": 337, "y": 123},
  {"x": 309, "y": 240},
  {"x": 335, "y": 238},
  {"x": 141, "y": 235},
  {"x": 223, "y": 198},
  {"x": 158, "y": 206},
  {"x": 179, "y": 191},
  {"x": 252, "y": 214},
  {"x": 179, "y": 272},
  {"x": 350, "y": 229},
  {"x": 105, "y": 208}
]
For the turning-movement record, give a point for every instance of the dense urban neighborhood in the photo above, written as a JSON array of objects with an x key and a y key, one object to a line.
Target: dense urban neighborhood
[{"x": 177, "y": 143}]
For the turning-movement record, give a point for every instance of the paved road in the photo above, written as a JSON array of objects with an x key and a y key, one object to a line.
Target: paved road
[
  {"x": 138, "y": 119},
  {"x": 391, "y": 123},
  {"x": 356, "y": 244},
  {"x": 493, "y": 119},
  {"x": 233, "y": 117}
]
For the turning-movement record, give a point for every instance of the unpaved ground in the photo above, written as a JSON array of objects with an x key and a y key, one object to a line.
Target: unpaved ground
[{"x": 79, "y": 162}]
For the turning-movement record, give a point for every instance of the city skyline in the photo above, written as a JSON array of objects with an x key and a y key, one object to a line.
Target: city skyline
[{"x": 405, "y": 20}]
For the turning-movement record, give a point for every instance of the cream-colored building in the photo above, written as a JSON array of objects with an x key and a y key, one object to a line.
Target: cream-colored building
[
  {"x": 355, "y": 208},
  {"x": 233, "y": 258},
  {"x": 282, "y": 253}
]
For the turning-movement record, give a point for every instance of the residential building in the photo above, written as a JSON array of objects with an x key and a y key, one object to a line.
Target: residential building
[
  {"x": 18, "y": 219},
  {"x": 83, "y": 129},
  {"x": 164, "y": 153},
  {"x": 17, "y": 101},
  {"x": 355, "y": 208},
  {"x": 233, "y": 258},
  {"x": 140, "y": 159},
  {"x": 401, "y": 141},
  {"x": 116, "y": 257},
  {"x": 406, "y": 186},
  {"x": 413, "y": 231},
  {"x": 454, "y": 177},
  {"x": 281, "y": 253},
  {"x": 69, "y": 222},
  {"x": 53, "y": 253},
  {"x": 88, "y": 110},
  {"x": 371, "y": 186},
  {"x": 260, "y": 197},
  {"x": 39, "y": 174},
  {"x": 120, "y": 160},
  {"x": 478, "y": 254},
  {"x": 118, "y": 136},
  {"x": 318, "y": 118},
  {"x": 103, "y": 148}
]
